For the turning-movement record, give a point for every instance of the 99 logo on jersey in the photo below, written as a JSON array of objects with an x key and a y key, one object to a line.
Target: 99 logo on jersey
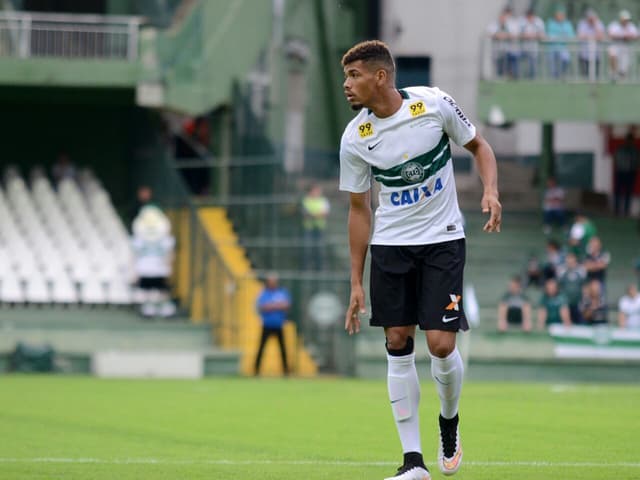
[
  {"x": 365, "y": 129},
  {"x": 417, "y": 108}
]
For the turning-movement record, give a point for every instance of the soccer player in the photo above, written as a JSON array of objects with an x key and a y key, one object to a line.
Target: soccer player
[{"x": 401, "y": 138}]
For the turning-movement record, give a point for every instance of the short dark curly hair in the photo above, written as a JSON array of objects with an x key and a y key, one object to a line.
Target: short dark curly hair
[{"x": 374, "y": 51}]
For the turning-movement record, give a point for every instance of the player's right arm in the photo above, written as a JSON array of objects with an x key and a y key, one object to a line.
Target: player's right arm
[{"x": 359, "y": 230}]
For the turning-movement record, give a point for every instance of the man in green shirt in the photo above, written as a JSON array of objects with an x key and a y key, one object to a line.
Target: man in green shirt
[
  {"x": 553, "y": 307},
  {"x": 571, "y": 278}
]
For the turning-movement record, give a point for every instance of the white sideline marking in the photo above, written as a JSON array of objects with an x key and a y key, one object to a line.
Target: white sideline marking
[{"x": 337, "y": 463}]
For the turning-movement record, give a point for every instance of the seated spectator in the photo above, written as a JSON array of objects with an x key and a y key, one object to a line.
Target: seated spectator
[
  {"x": 63, "y": 168},
  {"x": 531, "y": 33},
  {"x": 553, "y": 209},
  {"x": 622, "y": 33},
  {"x": 597, "y": 261},
  {"x": 504, "y": 33},
  {"x": 626, "y": 160},
  {"x": 629, "y": 308},
  {"x": 553, "y": 308},
  {"x": 534, "y": 271},
  {"x": 591, "y": 31},
  {"x": 593, "y": 306},
  {"x": 571, "y": 279},
  {"x": 555, "y": 258},
  {"x": 514, "y": 309},
  {"x": 580, "y": 233},
  {"x": 559, "y": 30}
]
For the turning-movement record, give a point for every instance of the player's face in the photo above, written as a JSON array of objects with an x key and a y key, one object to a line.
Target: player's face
[{"x": 359, "y": 84}]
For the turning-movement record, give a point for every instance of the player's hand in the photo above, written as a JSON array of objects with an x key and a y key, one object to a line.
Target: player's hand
[
  {"x": 491, "y": 205},
  {"x": 356, "y": 307}
]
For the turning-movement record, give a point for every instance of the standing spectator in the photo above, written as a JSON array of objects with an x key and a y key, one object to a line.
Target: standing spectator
[
  {"x": 596, "y": 261},
  {"x": 273, "y": 304},
  {"x": 580, "y": 233},
  {"x": 571, "y": 278},
  {"x": 625, "y": 161},
  {"x": 554, "y": 307},
  {"x": 559, "y": 30},
  {"x": 629, "y": 308},
  {"x": 591, "y": 31},
  {"x": 153, "y": 247},
  {"x": 531, "y": 33},
  {"x": 553, "y": 209},
  {"x": 593, "y": 306},
  {"x": 514, "y": 309},
  {"x": 504, "y": 33},
  {"x": 315, "y": 207},
  {"x": 622, "y": 33}
]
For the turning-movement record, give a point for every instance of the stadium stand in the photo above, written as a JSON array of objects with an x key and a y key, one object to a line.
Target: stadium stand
[{"x": 63, "y": 247}]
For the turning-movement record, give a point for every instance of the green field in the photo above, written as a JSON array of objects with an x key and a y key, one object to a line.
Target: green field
[{"x": 233, "y": 428}]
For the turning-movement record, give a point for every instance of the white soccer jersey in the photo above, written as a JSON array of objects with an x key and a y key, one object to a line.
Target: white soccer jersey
[
  {"x": 408, "y": 153},
  {"x": 630, "y": 306}
]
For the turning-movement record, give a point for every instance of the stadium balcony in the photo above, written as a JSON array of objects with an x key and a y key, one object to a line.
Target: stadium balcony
[{"x": 586, "y": 91}]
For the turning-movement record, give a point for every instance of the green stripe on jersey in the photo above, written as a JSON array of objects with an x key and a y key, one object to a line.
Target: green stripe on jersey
[{"x": 417, "y": 169}]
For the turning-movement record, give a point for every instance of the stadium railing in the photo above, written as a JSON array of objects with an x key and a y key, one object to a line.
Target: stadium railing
[
  {"x": 104, "y": 37},
  {"x": 586, "y": 61}
]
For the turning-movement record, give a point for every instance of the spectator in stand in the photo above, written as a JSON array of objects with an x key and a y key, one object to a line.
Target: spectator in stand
[
  {"x": 559, "y": 30},
  {"x": 596, "y": 262},
  {"x": 626, "y": 160},
  {"x": 629, "y": 308},
  {"x": 622, "y": 33},
  {"x": 590, "y": 31},
  {"x": 63, "y": 168},
  {"x": 534, "y": 271},
  {"x": 514, "y": 309},
  {"x": 580, "y": 233},
  {"x": 553, "y": 308},
  {"x": 144, "y": 197},
  {"x": 593, "y": 306},
  {"x": 505, "y": 32},
  {"x": 571, "y": 279},
  {"x": 153, "y": 247},
  {"x": 555, "y": 258},
  {"x": 553, "y": 209},
  {"x": 315, "y": 207},
  {"x": 531, "y": 33},
  {"x": 273, "y": 304}
]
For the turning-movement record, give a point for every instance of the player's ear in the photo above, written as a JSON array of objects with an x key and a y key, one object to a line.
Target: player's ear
[{"x": 381, "y": 76}]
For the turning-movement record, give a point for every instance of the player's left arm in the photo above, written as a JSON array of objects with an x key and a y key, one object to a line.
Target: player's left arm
[{"x": 488, "y": 171}]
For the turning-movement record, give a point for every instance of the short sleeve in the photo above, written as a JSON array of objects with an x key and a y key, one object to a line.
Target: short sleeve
[
  {"x": 355, "y": 173},
  {"x": 455, "y": 122}
]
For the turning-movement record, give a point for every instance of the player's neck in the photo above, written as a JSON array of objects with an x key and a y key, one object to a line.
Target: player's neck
[{"x": 387, "y": 103}]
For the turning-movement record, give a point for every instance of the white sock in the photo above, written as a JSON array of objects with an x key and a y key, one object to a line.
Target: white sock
[
  {"x": 404, "y": 394},
  {"x": 447, "y": 373}
]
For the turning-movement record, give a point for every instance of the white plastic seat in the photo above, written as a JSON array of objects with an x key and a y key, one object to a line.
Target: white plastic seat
[
  {"x": 11, "y": 290},
  {"x": 63, "y": 290},
  {"x": 119, "y": 293},
  {"x": 37, "y": 290},
  {"x": 92, "y": 291}
]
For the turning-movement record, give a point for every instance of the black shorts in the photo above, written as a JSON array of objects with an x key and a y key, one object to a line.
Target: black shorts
[
  {"x": 418, "y": 285},
  {"x": 153, "y": 283}
]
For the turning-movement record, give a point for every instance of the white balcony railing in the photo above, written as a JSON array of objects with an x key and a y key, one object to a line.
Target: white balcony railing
[
  {"x": 568, "y": 61},
  {"x": 27, "y": 35}
]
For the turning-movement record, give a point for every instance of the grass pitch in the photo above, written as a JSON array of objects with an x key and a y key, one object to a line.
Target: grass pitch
[{"x": 234, "y": 428}]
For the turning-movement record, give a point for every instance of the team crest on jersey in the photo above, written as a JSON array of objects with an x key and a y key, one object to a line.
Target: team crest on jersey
[
  {"x": 417, "y": 108},
  {"x": 365, "y": 129},
  {"x": 412, "y": 172}
]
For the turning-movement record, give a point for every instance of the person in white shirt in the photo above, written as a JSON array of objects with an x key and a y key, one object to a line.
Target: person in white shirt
[
  {"x": 622, "y": 32},
  {"x": 400, "y": 138},
  {"x": 531, "y": 33},
  {"x": 505, "y": 32},
  {"x": 629, "y": 308},
  {"x": 590, "y": 31}
]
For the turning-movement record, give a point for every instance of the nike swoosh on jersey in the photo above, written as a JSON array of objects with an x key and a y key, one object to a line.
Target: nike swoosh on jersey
[
  {"x": 446, "y": 319},
  {"x": 371, "y": 147}
]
